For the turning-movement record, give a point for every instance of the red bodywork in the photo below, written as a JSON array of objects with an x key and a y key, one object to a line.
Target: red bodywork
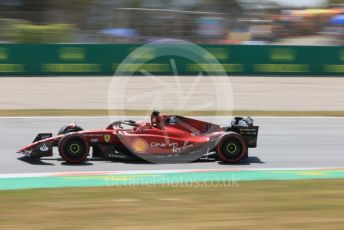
[{"x": 169, "y": 135}]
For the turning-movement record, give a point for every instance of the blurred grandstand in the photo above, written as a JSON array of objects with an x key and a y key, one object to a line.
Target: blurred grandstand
[{"x": 199, "y": 21}]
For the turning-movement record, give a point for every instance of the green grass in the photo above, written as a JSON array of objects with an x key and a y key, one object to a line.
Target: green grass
[
  {"x": 104, "y": 112},
  {"x": 309, "y": 204}
]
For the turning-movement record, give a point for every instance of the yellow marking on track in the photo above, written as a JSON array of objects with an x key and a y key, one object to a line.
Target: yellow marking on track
[{"x": 312, "y": 173}]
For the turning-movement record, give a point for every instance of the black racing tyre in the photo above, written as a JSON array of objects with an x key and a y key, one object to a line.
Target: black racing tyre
[
  {"x": 231, "y": 148},
  {"x": 69, "y": 128},
  {"x": 74, "y": 148}
]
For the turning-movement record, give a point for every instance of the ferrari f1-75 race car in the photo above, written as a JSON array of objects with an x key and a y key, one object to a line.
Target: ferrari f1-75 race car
[{"x": 167, "y": 138}]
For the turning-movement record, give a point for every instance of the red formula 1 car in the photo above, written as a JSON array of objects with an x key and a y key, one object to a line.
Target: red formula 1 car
[{"x": 167, "y": 138}]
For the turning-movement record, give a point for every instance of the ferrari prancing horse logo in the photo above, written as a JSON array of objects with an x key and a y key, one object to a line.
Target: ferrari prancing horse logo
[{"x": 107, "y": 137}]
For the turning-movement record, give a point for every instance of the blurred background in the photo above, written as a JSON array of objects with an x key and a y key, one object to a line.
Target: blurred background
[{"x": 294, "y": 22}]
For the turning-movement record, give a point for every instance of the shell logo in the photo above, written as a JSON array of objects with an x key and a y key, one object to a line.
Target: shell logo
[{"x": 140, "y": 145}]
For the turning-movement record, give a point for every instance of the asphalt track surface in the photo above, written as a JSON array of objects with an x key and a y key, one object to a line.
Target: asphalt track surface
[{"x": 283, "y": 143}]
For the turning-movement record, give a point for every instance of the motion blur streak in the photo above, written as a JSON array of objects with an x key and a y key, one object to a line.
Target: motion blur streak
[
  {"x": 207, "y": 21},
  {"x": 283, "y": 143}
]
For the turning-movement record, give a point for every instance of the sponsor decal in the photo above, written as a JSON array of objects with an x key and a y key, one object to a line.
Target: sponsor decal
[
  {"x": 341, "y": 55},
  {"x": 248, "y": 131},
  {"x": 72, "y": 54},
  {"x": 158, "y": 145},
  {"x": 44, "y": 148},
  {"x": 107, "y": 137},
  {"x": 3, "y": 54},
  {"x": 283, "y": 54},
  {"x": 175, "y": 148},
  {"x": 139, "y": 145},
  {"x": 93, "y": 134}
]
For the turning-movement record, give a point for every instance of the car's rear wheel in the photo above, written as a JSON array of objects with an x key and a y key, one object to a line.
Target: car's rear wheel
[
  {"x": 74, "y": 148},
  {"x": 232, "y": 148}
]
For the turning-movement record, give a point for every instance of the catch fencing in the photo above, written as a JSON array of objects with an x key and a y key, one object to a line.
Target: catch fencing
[{"x": 98, "y": 59}]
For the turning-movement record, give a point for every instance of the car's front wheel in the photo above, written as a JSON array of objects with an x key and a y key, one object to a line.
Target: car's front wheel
[
  {"x": 231, "y": 148},
  {"x": 74, "y": 148}
]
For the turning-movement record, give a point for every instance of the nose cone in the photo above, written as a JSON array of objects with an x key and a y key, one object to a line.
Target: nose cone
[{"x": 27, "y": 149}]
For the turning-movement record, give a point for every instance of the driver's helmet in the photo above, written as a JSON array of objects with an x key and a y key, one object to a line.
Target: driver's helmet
[
  {"x": 242, "y": 121},
  {"x": 155, "y": 118}
]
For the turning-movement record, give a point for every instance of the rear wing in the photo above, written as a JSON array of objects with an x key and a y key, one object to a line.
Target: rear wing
[
  {"x": 250, "y": 134},
  {"x": 244, "y": 126}
]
